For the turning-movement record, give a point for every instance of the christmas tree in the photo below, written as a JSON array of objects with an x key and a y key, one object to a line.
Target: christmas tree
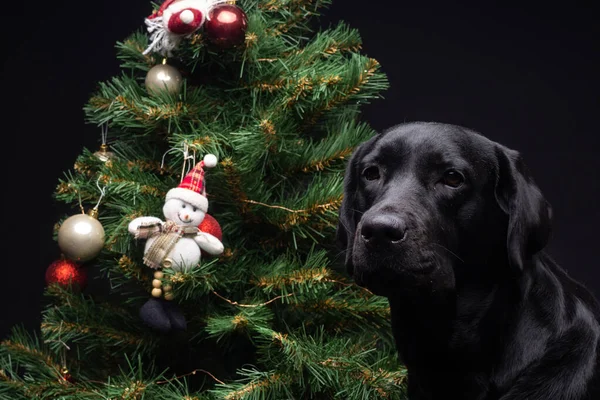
[{"x": 210, "y": 209}]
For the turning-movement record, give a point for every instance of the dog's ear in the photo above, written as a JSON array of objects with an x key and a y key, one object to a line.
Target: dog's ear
[
  {"x": 347, "y": 214},
  {"x": 529, "y": 214}
]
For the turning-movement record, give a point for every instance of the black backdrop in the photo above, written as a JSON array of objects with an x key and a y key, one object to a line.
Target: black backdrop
[{"x": 525, "y": 76}]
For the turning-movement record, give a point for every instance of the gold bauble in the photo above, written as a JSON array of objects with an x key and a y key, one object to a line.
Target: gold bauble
[
  {"x": 164, "y": 77},
  {"x": 81, "y": 237}
]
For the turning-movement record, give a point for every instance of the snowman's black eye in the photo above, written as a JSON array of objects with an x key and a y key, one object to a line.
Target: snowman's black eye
[
  {"x": 183, "y": 206},
  {"x": 194, "y": 209}
]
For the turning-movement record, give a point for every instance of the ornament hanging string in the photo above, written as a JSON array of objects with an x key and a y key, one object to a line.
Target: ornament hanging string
[
  {"x": 104, "y": 154},
  {"x": 80, "y": 202},
  {"x": 235, "y": 303},
  {"x": 189, "y": 160},
  {"x": 63, "y": 355},
  {"x": 104, "y": 134},
  {"x": 191, "y": 373},
  {"x": 102, "y": 194}
]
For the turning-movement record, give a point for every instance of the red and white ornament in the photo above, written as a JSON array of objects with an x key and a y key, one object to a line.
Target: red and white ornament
[{"x": 175, "y": 20}]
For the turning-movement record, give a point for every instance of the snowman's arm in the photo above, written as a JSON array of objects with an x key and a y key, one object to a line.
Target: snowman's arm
[
  {"x": 144, "y": 222},
  {"x": 209, "y": 243}
]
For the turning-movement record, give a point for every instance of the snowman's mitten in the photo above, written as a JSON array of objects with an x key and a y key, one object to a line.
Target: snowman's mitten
[
  {"x": 209, "y": 243},
  {"x": 144, "y": 227}
]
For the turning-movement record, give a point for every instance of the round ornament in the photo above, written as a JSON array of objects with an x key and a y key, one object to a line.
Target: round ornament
[
  {"x": 226, "y": 26},
  {"x": 210, "y": 225},
  {"x": 164, "y": 77},
  {"x": 81, "y": 237},
  {"x": 66, "y": 272}
]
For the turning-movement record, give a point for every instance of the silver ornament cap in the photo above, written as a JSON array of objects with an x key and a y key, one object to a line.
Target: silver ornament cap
[
  {"x": 164, "y": 77},
  {"x": 81, "y": 237}
]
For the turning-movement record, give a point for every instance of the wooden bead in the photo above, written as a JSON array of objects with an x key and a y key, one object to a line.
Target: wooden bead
[
  {"x": 156, "y": 292},
  {"x": 159, "y": 275},
  {"x": 156, "y": 283},
  {"x": 169, "y": 296},
  {"x": 168, "y": 288}
]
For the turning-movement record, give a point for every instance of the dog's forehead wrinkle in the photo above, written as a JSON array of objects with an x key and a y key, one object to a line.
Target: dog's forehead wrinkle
[
  {"x": 442, "y": 136},
  {"x": 388, "y": 152},
  {"x": 400, "y": 153}
]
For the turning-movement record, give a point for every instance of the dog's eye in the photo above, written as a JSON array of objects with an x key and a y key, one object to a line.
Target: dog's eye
[
  {"x": 453, "y": 178},
  {"x": 371, "y": 173}
]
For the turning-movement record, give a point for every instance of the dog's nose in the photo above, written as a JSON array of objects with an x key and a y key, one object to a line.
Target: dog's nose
[{"x": 383, "y": 229}]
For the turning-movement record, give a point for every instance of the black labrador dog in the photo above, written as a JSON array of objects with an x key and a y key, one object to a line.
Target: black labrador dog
[{"x": 450, "y": 227}]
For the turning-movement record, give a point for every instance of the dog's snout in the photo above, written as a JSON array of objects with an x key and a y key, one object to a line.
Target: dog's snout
[{"x": 383, "y": 229}]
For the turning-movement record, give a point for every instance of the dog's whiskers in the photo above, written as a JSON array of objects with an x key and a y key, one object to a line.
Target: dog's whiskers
[
  {"x": 449, "y": 251},
  {"x": 358, "y": 211}
]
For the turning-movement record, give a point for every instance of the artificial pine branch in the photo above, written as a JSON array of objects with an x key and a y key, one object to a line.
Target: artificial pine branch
[{"x": 282, "y": 114}]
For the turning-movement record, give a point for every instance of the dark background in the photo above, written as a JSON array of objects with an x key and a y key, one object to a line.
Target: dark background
[{"x": 525, "y": 76}]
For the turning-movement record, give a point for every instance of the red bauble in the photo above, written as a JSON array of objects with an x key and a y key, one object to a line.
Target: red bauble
[
  {"x": 66, "y": 272},
  {"x": 210, "y": 225},
  {"x": 226, "y": 26}
]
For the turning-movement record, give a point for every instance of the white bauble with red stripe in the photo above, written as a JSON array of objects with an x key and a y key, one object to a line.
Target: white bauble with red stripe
[
  {"x": 184, "y": 17},
  {"x": 175, "y": 20}
]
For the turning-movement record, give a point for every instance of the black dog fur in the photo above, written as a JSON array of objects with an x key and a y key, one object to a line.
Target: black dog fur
[{"x": 451, "y": 228}]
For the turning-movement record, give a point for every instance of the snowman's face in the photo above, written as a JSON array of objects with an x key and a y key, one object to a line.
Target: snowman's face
[{"x": 182, "y": 213}]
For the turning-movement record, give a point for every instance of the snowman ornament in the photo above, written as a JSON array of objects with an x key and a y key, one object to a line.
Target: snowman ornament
[{"x": 175, "y": 242}]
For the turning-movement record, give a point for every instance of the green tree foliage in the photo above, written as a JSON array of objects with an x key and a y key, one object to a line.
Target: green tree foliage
[{"x": 275, "y": 316}]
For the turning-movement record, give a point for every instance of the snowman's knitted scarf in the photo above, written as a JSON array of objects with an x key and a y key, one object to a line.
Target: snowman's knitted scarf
[{"x": 168, "y": 234}]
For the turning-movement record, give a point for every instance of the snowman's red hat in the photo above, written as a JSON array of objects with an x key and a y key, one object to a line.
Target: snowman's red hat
[{"x": 192, "y": 189}]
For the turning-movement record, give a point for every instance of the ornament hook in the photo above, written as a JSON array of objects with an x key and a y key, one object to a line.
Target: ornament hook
[
  {"x": 187, "y": 165},
  {"x": 102, "y": 192}
]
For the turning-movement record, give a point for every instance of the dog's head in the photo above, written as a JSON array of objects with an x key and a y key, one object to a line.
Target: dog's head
[{"x": 425, "y": 203}]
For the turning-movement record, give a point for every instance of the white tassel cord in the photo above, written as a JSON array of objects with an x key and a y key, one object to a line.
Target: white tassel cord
[{"x": 162, "y": 41}]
